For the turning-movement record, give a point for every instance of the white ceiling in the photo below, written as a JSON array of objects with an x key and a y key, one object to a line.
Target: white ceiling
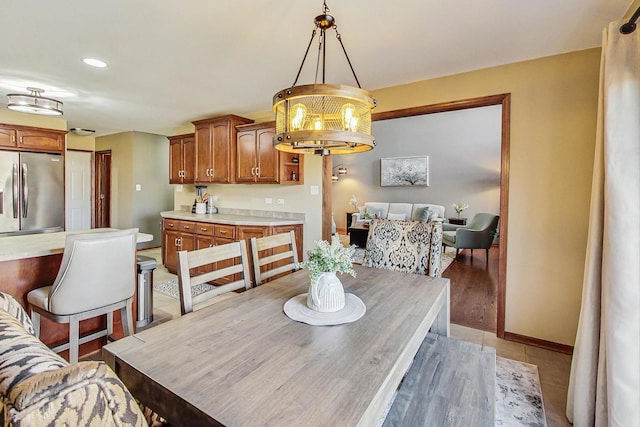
[{"x": 171, "y": 62}]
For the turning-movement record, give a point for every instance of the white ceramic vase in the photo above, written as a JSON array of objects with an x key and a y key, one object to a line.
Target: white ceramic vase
[{"x": 326, "y": 294}]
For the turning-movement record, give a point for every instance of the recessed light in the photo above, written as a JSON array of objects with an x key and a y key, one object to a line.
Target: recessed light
[{"x": 94, "y": 62}]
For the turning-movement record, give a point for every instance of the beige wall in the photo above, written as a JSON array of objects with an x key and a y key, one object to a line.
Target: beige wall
[
  {"x": 86, "y": 143},
  {"x": 151, "y": 173},
  {"x": 24, "y": 119},
  {"x": 553, "y": 121},
  {"x": 138, "y": 159}
]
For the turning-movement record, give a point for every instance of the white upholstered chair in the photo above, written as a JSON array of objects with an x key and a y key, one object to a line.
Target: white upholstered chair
[
  {"x": 97, "y": 276},
  {"x": 227, "y": 264},
  {"x": 273, "y": 255}
]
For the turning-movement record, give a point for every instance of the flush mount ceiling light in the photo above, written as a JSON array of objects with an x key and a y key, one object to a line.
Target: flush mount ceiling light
[
  {"x": 34, "y": 103},
  {"x": 82, "y": 132},
  {"x": 94, "y": 62},
  {"x": 323, "y": 118}
]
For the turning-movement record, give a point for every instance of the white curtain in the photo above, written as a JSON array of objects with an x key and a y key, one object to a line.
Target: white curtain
[{"x": 604, "y": 388}]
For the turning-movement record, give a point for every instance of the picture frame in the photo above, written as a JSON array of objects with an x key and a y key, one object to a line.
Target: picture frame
[{"x": 404, "y": 171}]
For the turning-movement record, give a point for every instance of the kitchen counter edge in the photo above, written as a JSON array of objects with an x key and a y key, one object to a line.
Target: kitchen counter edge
[{"x": 227, "y": 219}]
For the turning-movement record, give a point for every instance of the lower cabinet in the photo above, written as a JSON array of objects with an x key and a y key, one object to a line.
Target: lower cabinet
[
  {"x": 190, "y": 235},
  {"x": 178, "y": 236}
]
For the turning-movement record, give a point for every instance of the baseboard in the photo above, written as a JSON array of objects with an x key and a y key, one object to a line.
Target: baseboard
[{"x": 537, "y": 342}]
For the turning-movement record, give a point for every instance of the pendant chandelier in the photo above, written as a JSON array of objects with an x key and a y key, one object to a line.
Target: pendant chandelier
[
  {"x": 323, "y": 118},
  {"x": 34, "y": 103}
]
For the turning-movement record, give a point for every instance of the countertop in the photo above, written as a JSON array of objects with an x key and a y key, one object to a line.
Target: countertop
[
  {"x": 43, "y": 244},
  {"x": 230, "y": 219}
]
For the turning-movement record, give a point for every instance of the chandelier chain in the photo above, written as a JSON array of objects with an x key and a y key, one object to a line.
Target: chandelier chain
[{"x": 313, "y": 35}]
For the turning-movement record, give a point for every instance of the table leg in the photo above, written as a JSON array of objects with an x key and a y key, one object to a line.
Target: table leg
[{"x": 441, "y": 325}]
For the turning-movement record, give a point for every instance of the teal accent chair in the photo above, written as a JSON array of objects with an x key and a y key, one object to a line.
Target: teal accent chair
[{"x": 478, "y": 234}]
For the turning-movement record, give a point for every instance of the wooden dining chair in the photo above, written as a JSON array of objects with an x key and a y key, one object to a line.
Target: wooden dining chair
[
  {"x": 273, "y": 256},
  {"x": 227, "y": 264}
]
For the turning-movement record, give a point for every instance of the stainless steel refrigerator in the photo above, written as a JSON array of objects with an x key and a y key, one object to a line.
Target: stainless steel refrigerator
[{"x": 31, "y": 192}]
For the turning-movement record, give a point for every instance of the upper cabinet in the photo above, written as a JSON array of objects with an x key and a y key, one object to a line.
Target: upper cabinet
[
  {"x": 32, "y": 139},
  {"x": 7, "y": 137},
  {"x": 182, "y": 150},
  {"x": 291, "y": 168},
  {"x": 228, "y": 149},
  {"x": 215, "y": 146},
  {"x": 256, "y": 159}
]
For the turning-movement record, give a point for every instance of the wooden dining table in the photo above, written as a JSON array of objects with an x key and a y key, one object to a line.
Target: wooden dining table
[{"x": 243, "y": 362}]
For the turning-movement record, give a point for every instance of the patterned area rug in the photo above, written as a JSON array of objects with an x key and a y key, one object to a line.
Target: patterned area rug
[
  {"x": 518, "y": 394},
  {"x": 170, "y": 288}
]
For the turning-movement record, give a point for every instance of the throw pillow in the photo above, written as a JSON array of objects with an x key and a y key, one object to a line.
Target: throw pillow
[
  {"x": 396, "y": 216},
  {"x": 426, "y": 215}
]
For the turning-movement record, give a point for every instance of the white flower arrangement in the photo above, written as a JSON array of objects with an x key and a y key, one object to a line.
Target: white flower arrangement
[
  {"x": 329, "y": 257},
  {"x": 459, "y": 207},
  {"x": 354, "y": 202}
]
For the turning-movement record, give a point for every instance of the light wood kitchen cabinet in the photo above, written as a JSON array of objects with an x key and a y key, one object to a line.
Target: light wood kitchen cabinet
[
  {"x": 178, "y": 236},
  {"x": 32, "y": 139},
  {"x": 215, "y": 141},
  {"x": 256, "y": 159},
  {"x": 182, "y": 150}
]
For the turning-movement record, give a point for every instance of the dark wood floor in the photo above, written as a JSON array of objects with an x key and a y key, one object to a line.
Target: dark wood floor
[{"x": 474, "y": 287}]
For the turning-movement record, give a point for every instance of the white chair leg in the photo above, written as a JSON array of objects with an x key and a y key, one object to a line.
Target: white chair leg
[
  {"x": 126, "y": 314},
  {"x": 35, "y": 320},
  {"x": 74, "y": 339}
]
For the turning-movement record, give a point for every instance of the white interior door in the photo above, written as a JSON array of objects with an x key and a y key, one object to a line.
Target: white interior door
[{"x": 78, "y": 190}]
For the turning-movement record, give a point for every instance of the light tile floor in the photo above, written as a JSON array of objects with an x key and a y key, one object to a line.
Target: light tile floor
[{"x": 553, "y": 367}]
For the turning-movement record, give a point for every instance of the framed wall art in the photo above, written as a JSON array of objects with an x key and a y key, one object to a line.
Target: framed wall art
[{"x": 402, "y": 171}]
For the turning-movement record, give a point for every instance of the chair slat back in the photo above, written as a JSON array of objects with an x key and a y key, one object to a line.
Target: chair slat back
[
  {"x": 273, "y": 256},
  {"x": 228, "y": 262}
]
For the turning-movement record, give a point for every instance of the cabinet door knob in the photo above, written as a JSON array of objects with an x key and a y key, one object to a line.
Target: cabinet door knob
[
  {"x": 258, "y": 171},
  {"x": 253, "y": 171},
  {"x": 223, "y": 231}
]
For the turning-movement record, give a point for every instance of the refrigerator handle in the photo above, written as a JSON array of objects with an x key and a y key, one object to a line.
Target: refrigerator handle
[
  {"x": 16, "y": 192},
  {"x": 25, "y": 190}
]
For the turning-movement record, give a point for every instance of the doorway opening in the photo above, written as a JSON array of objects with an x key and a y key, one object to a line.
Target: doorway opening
[
  {"x": 502, "y": 100},
  {"x": 103, "y": 189}
]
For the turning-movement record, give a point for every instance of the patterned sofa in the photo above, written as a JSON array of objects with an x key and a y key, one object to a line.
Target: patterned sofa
[{"x": 40, "y": 388}]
